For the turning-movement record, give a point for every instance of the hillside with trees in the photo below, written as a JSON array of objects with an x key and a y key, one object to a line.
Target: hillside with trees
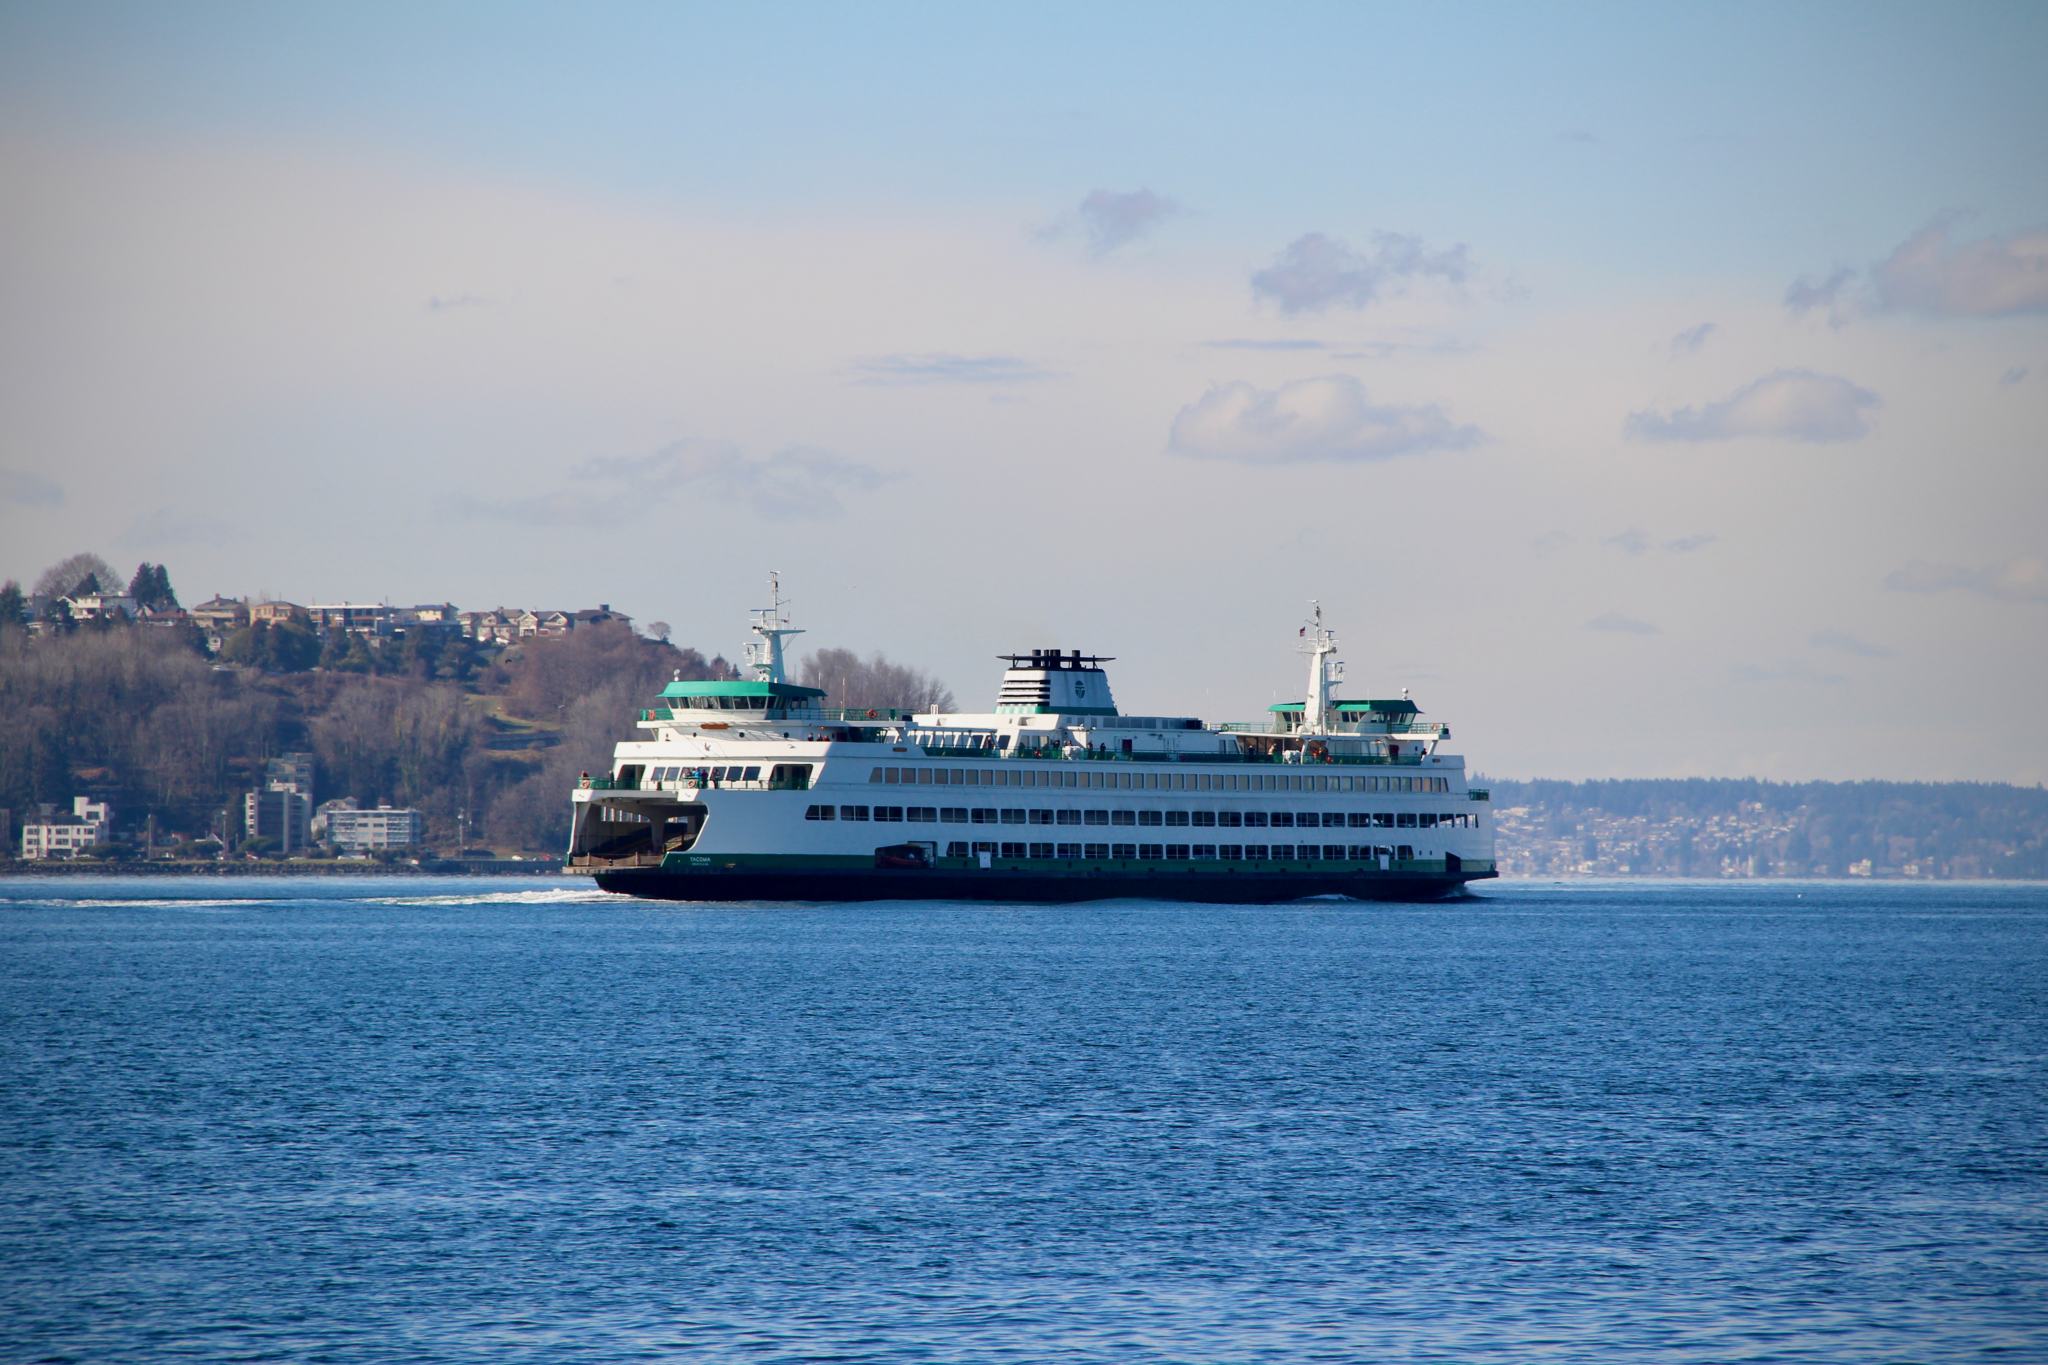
[{"x": 485, "y": 742}]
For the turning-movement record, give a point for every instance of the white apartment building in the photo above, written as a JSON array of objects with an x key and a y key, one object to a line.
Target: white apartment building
[
  {"x": 364, "y": 831},
  {"x": 62, "y": 836}
]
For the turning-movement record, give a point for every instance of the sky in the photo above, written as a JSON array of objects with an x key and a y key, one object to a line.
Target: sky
[{"x": 1655, "y": 391}]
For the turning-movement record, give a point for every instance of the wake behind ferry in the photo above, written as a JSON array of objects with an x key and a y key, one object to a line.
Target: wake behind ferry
[{"x": 754, "y": 789}]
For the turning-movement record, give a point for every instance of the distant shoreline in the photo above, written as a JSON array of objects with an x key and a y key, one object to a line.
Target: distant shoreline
[
  {"x": 59, "y": 868},
  {"x": 85, "y": 867}
]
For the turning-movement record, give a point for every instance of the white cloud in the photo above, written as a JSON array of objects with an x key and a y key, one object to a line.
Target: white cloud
[
  {"x": 1316, "y": 272},
  {"x": 1112, "y": 218},
  {"x": 1934, "y": 275},
  {"x": 1635, "y": 541},
  {"x": 25, "y": 489},
  {"x": 945, "y": 368},
  {"x": 164, "y": 527},
  {"x": 2012, "y": 580},
  {"x": 1842, "y": 642},
  {"x": 1691, "y": 339},
  {"x": 1323, "y": 419},
  {"x": 1274, "y": 344},
  {"x": 796, "y": 481},
  {"x": 1614, "y": 623},
  {"x": 1990, "y": 277},
  {"x": 1805, "y": 295},
  {"x": 1792, "y": 671},
  {"x": 1799, "y": 405},
  {"x": 793, "y": 482}
]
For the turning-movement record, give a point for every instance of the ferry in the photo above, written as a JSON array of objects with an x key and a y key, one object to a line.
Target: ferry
[{"x": 754, "y": 789}]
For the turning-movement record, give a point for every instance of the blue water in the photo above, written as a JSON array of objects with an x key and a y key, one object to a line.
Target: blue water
[{"x": 421, "y": 1120}]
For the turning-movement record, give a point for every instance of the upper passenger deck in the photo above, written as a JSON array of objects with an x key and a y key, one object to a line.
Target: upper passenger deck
[{"x": 1051, "y": 705}]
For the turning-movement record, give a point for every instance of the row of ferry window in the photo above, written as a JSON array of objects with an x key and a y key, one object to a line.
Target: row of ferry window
[
  {"x": 731, "y": 772},
  {"x": 1173, "y": 853},
  {"x": 1198, "y": 819},
  {"x": 1151, "y": 781}
]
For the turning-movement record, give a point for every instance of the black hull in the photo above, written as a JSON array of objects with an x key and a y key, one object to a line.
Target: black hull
[{"x": 889, "y": 884}]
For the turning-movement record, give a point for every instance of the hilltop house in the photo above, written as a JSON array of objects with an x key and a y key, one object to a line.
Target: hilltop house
[
  {"x": 273, "y": 613},
  {"x": 219, "y": 617},
  {"x": 427, "y": 616},
  {"x": 101, "y": 606},
  {"x": 355, "y": 618},
  {"x": 499, "y": 627}
]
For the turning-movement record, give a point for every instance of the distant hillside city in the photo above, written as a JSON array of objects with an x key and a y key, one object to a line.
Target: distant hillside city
[
  {"x": 1714, "y": 827},
  {"x": 133, "y": 728},
  {"x": 255, "y": 731}
]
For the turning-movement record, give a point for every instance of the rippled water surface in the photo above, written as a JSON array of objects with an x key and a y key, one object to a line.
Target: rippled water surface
[{"x": 345, "y": 1120}]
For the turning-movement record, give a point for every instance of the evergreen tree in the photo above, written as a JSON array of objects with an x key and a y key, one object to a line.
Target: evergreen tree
[
  {"x": 355, "y": 656},
  {"x": 151, "y": 588},
  {"x": 56, "y": 615},
  {"x": 13, "y": 606},
  {"x": 290, "y": 647},
  {"x": 245, "y": 646}
]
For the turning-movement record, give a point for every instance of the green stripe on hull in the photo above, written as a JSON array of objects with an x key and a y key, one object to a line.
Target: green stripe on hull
[{"x": 1081, "y": 867}]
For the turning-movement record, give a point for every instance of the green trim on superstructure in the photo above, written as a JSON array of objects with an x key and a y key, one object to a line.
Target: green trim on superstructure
[
  {"x": 741, "y": 688},
  {"x": 1399, "y": 706}
]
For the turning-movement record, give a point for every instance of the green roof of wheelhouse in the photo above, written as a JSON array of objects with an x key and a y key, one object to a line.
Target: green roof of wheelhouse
[{"x": 742, "y": 688}]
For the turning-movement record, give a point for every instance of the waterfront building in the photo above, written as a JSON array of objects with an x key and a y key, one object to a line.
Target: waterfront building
[
  {"x": 356, "y": 829},
  {"x": 280, "y": 814},
  {"x": 52, "y": 835}
]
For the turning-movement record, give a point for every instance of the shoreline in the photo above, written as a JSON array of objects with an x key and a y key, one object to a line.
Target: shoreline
[
  {"x": 82, "y": 867},
  {"x": 538, "y": 868}
]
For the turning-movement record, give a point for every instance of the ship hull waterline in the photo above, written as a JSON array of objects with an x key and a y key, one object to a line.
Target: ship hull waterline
[{"x": 888, "y": 884}]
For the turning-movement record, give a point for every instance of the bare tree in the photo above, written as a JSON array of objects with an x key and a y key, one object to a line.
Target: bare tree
[
  {"x": 849, "y": 680},
  {"x": 534, "y": 813},
  {"x": 542, "y": 676},
  {"x": 63, "y": 578}
]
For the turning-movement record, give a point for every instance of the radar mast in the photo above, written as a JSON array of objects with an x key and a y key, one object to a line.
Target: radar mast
[
  {"x": 1320, "y": 644},
  {"x": 770, "y": 624}
]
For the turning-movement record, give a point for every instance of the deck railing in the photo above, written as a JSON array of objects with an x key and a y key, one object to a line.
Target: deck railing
[
  {"x": 763, "y": 784},
  {"x": 802, "y": 715},
  {"x": 1291, "y": 757},
  {"x": 1393, "y": 727}
]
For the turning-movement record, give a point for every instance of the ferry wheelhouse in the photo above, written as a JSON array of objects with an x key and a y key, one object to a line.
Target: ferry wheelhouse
[{"x": 755, "y": 789}]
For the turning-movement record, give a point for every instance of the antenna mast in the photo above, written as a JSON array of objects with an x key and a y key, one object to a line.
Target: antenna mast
[
  {"x": 771, "y": 625},
  {"x": 1319, "y": 644}
]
